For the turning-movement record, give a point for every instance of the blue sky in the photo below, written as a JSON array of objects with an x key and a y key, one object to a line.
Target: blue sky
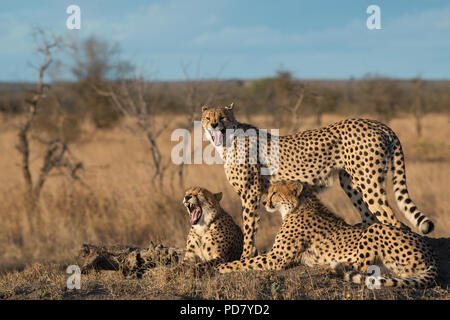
[{"x": 243, "y": 39}]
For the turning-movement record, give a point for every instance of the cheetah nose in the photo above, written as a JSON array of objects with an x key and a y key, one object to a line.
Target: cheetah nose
[
  {"x": 264, "y": 203},
  {"x": 214, "y": 125},
  {"x": 187, "y": 198}
]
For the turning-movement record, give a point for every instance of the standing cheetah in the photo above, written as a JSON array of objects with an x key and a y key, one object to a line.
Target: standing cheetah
[
  {"x": 312, "y": 235},
  {"x": 214, "y": 237},
  {"x": 358, "y": 151}
]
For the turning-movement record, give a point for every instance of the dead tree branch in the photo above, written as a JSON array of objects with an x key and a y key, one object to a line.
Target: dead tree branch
[
  {"x": 55, "y": 149},
  {"x": 194, "y": 100},
  {"x": 293, "y": 111},
  {"x": 128, "y": 99}
]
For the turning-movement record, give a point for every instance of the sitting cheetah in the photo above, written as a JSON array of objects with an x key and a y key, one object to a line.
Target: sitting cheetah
[
  {"x": 359, "y": 151},
  {"x": 214, "y": 237},
  {"x": 312, "y": 235}
]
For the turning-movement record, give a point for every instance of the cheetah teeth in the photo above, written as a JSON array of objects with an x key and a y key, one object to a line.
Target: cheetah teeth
[
  {"x": 217, "y": 137},
  {"x": 196, "y": 214}
]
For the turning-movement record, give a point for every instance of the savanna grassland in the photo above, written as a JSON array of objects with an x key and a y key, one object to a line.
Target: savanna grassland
[{"x": 115, "y": 201}]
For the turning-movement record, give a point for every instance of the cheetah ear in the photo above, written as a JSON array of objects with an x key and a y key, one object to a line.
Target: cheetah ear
[
  {"x": 218, "y": 196},
  {"x": 230, "y": 107},
  {"x": 204, "y": 108},
  {"x": 298, "y": 189}
]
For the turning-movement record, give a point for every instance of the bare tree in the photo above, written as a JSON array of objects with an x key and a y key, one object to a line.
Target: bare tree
[
  {"x": 382, "y": 96},
  {"x": 194, "y": 99},
  {"x": 128, "y": 97},
  {"x": 318, "y": 109},
  {"x": 56, "y": 149},
  {"x": 289, "y": 95},
  {"x": 420, "y": 105},
  {"x": 193, "y": 104},
  {"x": 131, "y": 98},
  {"x": 94, "y": 62},
  {"x": 293, "y": 111}
]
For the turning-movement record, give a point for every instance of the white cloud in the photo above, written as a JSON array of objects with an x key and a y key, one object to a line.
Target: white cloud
[
  {"x": 169, "y": 22},
  {"x": 245, "y": 36},
  {"x": 410, "y": 30}
]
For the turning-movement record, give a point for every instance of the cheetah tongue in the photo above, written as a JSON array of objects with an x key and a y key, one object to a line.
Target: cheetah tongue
[
  {"x": 195, "y": 215},
  {"x": 217, "y": 137}
]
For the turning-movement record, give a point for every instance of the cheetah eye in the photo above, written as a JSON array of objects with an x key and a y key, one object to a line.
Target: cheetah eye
[
  {"x": 222, "y": 118},
  {"x": 207, "y": 118}
]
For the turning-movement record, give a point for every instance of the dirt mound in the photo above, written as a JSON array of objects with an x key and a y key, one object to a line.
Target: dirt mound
[
  {"x": 50, "y": 281},
  {"x": 131, "y": 261},
  {"x": 134, "y": 262}
]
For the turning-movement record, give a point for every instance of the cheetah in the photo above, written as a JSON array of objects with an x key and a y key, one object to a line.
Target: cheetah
[
  {"x": 357, "y": 151},
  {"x": 214, "y": 237},
  {"x": 312, "y": 235}
]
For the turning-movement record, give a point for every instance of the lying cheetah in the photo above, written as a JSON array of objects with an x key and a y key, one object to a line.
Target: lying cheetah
[
  {"x": 314, "y": 236},
  {"x": 359, "y": 151},
  {"x": 214, "y": 237}
]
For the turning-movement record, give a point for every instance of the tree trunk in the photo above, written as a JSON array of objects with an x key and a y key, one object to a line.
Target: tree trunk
[
  {"x": 319, "y": 118},
  {"x": 419, "y": 126}
]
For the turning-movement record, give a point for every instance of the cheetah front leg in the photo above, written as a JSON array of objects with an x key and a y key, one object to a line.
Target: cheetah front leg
[
  {"x": 192, "y": 244},
  {"x": 203, "y": 268},
  {"x": 278, "y": 258},
  {"x": 250, "y": 201},
  {"x": 248, "y": 186},
  {"x": 273, "y": 260},
  {"x": 260, "y": 262}
]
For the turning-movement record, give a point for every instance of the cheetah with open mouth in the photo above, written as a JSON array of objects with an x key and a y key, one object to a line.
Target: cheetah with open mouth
[
  {"x": 214, "y": 237},
  {"x": 358, "y": 151}
]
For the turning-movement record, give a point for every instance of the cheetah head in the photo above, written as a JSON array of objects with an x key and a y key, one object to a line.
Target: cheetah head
[
  {"x": 283, "y": 197},
  {"x": 215, "y": 122},
  {"x": 201, "y": 205}
]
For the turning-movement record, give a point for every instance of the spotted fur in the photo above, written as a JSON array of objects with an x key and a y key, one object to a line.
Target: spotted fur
[
  {"x": 214, "y": 238},
  {"x": 357, "y": 151},
  {"x": 312, "y": 235}
]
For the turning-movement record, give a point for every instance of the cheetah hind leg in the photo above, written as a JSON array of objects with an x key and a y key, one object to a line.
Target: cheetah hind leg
[
  {"x": 367, "y": 218},
  {"x": 374, "y": 282},
  {"x": 340, "y": 268},
  {"x": 373, "y": 279}
]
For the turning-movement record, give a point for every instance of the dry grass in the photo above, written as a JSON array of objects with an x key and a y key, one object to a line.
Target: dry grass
[
  {"x": 49, "y": 282},
  {"x": 121, "y": 207}
]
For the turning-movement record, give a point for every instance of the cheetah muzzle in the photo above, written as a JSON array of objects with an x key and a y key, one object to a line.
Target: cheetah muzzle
[
  {"x": 195, "y": 212},
  {"x": 217, "y": 137}
]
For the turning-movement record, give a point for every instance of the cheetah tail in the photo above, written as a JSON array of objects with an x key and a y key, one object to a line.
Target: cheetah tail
[
  {"x": 404, "y": 201},
  {"x": 421, "y": 280}
]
